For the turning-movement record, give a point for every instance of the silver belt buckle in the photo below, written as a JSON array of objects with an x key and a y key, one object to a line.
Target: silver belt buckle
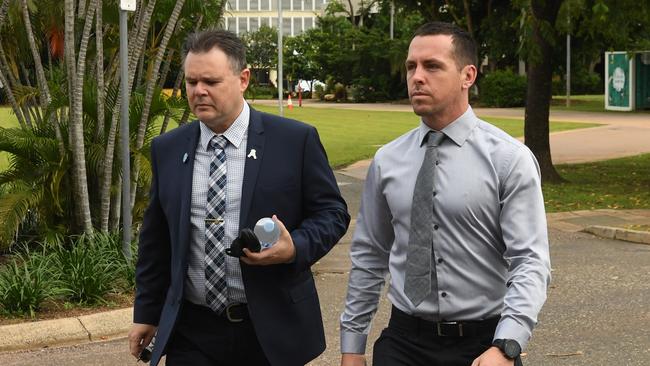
[
  {"x": 441, "y": 334},
  {"x": 230, "y": 316}
]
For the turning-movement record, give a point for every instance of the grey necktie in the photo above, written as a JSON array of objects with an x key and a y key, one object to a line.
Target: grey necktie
[
  {"x": 421, "y": 277},
  {"x": 216, "y": 289}
]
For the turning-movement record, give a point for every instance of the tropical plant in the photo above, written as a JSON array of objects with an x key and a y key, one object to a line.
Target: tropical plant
[
  {"x": 26, "y": 282},
  {"x": 68, "y": 107}
]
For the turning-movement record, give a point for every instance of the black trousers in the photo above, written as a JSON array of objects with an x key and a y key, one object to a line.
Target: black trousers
[
  {"x": 408, "y": 341},
  {"x": 203, "y": 338}
]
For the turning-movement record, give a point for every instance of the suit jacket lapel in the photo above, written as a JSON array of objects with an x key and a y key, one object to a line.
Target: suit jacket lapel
[
  {"x": 252, "y": 166},
  {"x": 186, "y": 171}
]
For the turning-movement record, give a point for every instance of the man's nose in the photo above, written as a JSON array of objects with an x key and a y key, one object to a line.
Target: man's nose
[
  {"x": 417, "y": 76},
  {"x": 201, "y": 89}
]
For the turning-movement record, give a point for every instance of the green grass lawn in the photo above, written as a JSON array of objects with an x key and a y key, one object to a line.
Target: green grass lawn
[
  {"x": 352, "y": 135},
  {"x": 7, "y": 119},
  {"x": 585, "y": 103},
  {"x": 616, "y": 184}
]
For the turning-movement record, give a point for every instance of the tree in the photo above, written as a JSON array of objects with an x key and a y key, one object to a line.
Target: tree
[
  {"x": 63, "y": 89},
  {"x": 543, "y": 14}
]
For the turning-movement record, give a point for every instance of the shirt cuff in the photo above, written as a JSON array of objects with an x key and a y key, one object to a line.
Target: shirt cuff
[
  {"x": 509, "y": 328},
  {"x": 353, "y": 342}
]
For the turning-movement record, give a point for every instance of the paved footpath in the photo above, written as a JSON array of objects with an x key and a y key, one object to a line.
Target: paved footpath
[{"x": 602, "y": 282}]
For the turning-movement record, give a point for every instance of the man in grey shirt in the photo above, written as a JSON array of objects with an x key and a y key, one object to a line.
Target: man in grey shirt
[{"x": 484, "y": 266}]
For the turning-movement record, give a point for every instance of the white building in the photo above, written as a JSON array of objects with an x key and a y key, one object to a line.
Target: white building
[{"x": 243, "y": 16}]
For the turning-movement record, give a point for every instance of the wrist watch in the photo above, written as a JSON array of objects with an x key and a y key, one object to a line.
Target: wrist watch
[{"x": 510, "y": 348}]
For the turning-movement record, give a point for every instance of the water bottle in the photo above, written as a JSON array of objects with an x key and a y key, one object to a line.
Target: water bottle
[{"x": 267, "y": 231}]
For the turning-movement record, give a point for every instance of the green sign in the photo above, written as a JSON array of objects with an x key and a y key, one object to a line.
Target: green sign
[{"x": 618, "y": 81}]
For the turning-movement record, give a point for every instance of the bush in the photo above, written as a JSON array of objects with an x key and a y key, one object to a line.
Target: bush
[
  {"x": 503, "y": 88},
  {"x": 582, "y": 82},
  {"x": 26, "y": 282},
  {"x": 370, "y": 90},
  {"x": 92, "y": 267}
]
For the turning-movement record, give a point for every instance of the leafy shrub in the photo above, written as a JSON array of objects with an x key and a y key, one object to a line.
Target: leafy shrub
[
  {"x": 370, "y": 90},
  {"x": 26, "y": 281},
  {"x": 503, "y": 88},
  {"x": 582, "y": 82},
  {"x": 89, "y": 269}
]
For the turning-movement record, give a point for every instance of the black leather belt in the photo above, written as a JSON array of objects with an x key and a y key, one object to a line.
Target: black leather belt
[
  {"x": 402, "y": 320},
  {"x": 234, "y": 313}
]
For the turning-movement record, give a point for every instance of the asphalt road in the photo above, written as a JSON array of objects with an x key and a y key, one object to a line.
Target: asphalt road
[{"x": 597, "y": 312}]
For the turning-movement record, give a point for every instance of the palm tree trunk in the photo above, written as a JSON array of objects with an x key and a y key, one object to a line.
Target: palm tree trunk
[
  {"x": 101, "y": 93},
  {"x": 165, "y": 69},
  {"x": 3, "y": 10},
  {"x": 38, "y": 65},
  {"x": 177, "y": 85},
  {"x": 151, "y": 84},
  {"x": 75, "y": 129},
  {"x": 135, "y": 50}
]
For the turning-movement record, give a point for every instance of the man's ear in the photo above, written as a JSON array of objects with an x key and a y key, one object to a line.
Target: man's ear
[
  {"x": 468, "y": 76},
  {"x": 244, "y": 79}
]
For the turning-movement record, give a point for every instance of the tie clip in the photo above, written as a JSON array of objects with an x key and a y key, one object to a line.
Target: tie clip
[{"x": 214, "y": 221}]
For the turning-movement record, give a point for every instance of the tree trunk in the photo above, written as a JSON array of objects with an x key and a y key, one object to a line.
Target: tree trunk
[
  {"x": 135, "y": 50},
  {"x": 165, "y": 69},
  {"x": 75, "y": 135},
  {"x": 3, "y": 10},
  {"x": 538, "y": 94},
  {"x": 101, "y": 92},
  {"x": 38, "y": 65},
  {"x": 151, "y": 84}
]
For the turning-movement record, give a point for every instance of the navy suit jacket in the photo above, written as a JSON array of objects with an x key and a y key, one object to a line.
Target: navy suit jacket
[{"x": 290, "y": 178}]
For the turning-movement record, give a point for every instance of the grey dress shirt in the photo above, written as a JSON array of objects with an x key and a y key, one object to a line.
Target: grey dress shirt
[
  {"x": 491, "y": 243},
  {"x": 237, "y": 136}
]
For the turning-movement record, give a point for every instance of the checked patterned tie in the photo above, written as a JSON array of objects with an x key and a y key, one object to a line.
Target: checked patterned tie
[
  {"x": 421, "y": 276},
  {"x": 216, "y": 290}
]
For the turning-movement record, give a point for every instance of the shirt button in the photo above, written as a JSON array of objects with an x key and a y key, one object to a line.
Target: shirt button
[
  {"x": 434, "y": 193},
  {"x": 437, "y": 162},
  {"x": 440, "y": 260},
  {"x": 435, "y": 227},
  {"x": 444, "y": 294}
]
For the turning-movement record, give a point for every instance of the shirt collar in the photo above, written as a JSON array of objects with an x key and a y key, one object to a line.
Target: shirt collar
[
  {"x": 234, "y": 134},
  {"x": 458, "y": 130}
]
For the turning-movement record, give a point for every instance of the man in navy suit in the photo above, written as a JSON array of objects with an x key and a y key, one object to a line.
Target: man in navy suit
[{"x": 211, "y": 179}]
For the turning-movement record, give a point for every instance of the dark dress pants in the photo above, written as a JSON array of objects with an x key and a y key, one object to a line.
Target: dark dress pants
[
  {"x": 406, "y": 342},
  {"x": 203, "y": 338}
]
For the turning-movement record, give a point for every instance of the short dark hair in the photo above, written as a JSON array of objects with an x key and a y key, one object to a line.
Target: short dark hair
[
  {"x": 228, "y": 42},
  {"x": 465, "y": 50}
]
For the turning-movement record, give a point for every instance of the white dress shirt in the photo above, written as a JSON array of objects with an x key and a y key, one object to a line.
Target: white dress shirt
[
  {"x": 490, "y": 240},
  {"x": 237, "y": 136}
]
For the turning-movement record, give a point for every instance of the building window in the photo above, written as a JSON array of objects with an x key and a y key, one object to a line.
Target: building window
[
  {"x": 286, "y": 26},
  {"x": 265, "y": 5},
  {"x": 286, "y": 4},
  {"x": 309, "y": 23},
  {"x": 309, "y": 4},
  {"x": 253, "y": 24},
  {"x": 264, "y": 21},
  {"x": 297, "y": 4},
  {"x": 254, "y": 5},
  {"x": 231, "y": 24},
  {"x": 242, "y": 26},
  {"x": 297, "y": 26}
]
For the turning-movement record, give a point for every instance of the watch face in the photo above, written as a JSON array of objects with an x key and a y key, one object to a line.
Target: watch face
[{"x": 511, "y": 348}]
